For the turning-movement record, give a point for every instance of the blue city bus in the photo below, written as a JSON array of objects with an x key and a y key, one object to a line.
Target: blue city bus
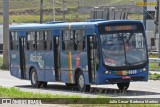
[{"x": 80, "y": 54}]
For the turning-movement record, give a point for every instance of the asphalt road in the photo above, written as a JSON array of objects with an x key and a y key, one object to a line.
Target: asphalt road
[{"x": 150, "y": 89}]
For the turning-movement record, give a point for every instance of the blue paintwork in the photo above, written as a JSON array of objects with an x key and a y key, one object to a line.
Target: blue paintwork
[
  {"x": 65, "y": 25},
  {"x": 102, "y": 77},
  {"x": 21, "y": 34},
  {"x": 47, "y": 72},
  {"x": 15, "y": 64}
]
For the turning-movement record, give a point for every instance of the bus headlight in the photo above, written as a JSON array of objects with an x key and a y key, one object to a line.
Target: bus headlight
[
  {"x": 106, "y": 72},
  {"x": 144, "y": 69}
]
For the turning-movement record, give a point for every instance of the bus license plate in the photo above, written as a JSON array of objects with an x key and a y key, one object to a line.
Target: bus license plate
[{"x": 126, "y": 77}]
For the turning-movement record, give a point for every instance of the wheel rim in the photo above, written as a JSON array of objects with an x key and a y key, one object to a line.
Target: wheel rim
[
  {"x": 81, "y": 81},
  {"x": 34, "y": 78}
]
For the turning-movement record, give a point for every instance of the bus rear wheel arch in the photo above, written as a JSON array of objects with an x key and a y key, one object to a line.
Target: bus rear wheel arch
[
  {"x": 123, "y": 86},
  {"x": 80, "y": 82},
  {"x": 34, "y": 80}
]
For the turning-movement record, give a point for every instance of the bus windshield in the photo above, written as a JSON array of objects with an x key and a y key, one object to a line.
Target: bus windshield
[{"x": 122, "y": 49}]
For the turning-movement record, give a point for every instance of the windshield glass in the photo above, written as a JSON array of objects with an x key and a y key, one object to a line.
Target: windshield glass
[{"x": 123, "y": 49}]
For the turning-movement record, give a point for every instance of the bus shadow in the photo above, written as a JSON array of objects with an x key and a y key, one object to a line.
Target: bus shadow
[{"x": 112, "y": 92}]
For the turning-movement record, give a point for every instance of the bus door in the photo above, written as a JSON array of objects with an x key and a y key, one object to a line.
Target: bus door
[
  {"x": 57, "y": 57},
  {"x": 22, "y": 56},
  {"x": 91, "y": 53}
]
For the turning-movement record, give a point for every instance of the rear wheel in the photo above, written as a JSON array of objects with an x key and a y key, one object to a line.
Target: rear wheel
[
  {"x": 43, "y": 84},
  {"x": 123, "y": 86},
  {"x": 34, "y": 80}
]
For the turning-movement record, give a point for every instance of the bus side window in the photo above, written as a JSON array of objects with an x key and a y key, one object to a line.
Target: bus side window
[
  {"x": 31, "y": 41},
  {"x": 79, "y": 40},
  {"x": 63, "y": 45},
  {"x": 11, "y": 40},
  {"x": 67, "y": 40},
  {"x": 48, "y": 41},
  {"x": 40, "y": 40},
  {"x": 14, "y": 41}
]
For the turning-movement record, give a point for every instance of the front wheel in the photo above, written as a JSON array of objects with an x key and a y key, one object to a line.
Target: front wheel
[
  {"x": 69, "y": 84},
  {"x": 80, "y": 83},
  {"x": 123, "y": 86}
]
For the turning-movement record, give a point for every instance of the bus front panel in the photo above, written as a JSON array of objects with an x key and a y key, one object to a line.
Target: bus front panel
[{"x": 124, "y": 53}]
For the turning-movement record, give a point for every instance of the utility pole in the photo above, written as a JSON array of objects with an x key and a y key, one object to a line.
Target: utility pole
[
  {"x": 5, "y": 33},
  {"x": 64, "y": 10},
  {"x": 156, "y": 20},
  {"x": 64, "y": 17},
  {"x": 158, "y": 4},
  {"x": 41, "y": 11},
  {"x": 144, "y": 13},
  {"x": 53, "y": 2}
]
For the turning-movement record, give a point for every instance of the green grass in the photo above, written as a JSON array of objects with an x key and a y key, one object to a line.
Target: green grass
[
  {"x": 154, "y": 66},
  {"x": 14, "y": 4},
  {"x": 154, "y": 76},
  {"x": 46, "y": 18},
  {"x": 16, "y": 93},
  {"x": 72, "y": 100}
]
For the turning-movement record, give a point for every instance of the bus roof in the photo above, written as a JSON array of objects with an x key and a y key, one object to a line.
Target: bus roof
[{"x": 67, "y": 24}]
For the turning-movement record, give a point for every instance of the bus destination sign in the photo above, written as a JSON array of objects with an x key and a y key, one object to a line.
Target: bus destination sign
[{"x": 120, "y": 28}]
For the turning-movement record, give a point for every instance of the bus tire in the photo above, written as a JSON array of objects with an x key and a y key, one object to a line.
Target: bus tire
[
  {"x": 69, "y": 84},
  {"x": 43, "y": 84},
  {"x": 34, "y": 80},
  {"x": 123, "y": 86},
  {"x": 80, "y": 82},
  {"x": 88, "y": 87}
]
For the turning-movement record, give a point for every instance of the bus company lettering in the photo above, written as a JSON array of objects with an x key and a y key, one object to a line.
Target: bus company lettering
[{"x": 37, "y": 59}]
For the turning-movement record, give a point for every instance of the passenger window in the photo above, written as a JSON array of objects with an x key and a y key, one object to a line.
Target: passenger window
[
  {"x": 48, "y": 40},
  {"x": 31, "y": 41},
  {"x": 14, "y": 41},
  {"x": 73, "y": 40},
  {"x": 67, "y": 40},
  {"x": 79, "y": 40},
  {"x": 40, "y": 40}
]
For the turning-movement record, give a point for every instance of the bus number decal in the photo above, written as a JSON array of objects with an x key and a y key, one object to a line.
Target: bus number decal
[
  {"x": 132, "y": 72},
  {"x": 37, "y": 59}
]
